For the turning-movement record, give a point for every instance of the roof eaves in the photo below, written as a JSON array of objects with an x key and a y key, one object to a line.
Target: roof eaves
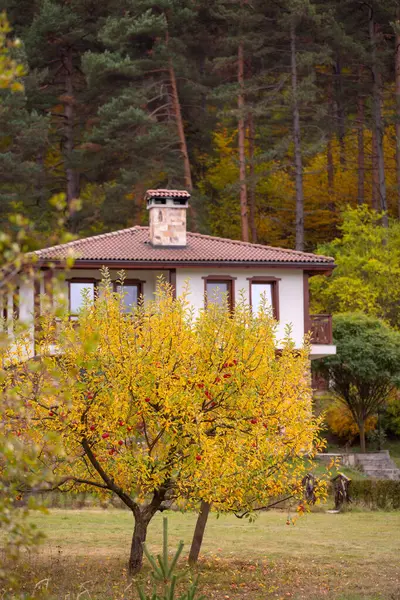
[{"x": 171, "y": 263}]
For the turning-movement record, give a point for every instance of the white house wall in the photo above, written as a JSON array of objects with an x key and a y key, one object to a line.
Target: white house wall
[{"x": 291, "y": 302}]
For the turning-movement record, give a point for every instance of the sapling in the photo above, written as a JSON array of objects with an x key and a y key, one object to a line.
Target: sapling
[{"x": 164, "y": 574}]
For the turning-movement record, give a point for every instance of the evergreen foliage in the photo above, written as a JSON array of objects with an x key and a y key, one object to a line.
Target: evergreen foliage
[{"x": 276, "y": 115}]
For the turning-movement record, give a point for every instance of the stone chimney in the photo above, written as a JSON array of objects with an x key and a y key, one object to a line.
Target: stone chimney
[{"x": 167, "y": 213}]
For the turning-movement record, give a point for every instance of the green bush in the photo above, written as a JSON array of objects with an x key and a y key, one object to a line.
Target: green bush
[{"x": 376, "y": 493}]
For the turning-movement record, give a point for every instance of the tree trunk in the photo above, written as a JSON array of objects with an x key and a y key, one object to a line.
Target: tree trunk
[
  {"x": 340, "y": 111},
  {"x": 397, "y": 71},
  {"x": 138, "y": 539},
  {"x": 361, "y": 427},
  {"x": 297, "y": 145},
  {"x": 378, "y": 121},
  {"x": 375, "y": 174},
  {"x": 252, "y": 186},
  {"x": 331, "y": 172},
  {"x": 360, "y": 150},
  {"x": 72, "y": 179},
  {"x": 244, "y": 218},
  {"x": 181, "y": 130},
  {"x": 199, "y": 532}
]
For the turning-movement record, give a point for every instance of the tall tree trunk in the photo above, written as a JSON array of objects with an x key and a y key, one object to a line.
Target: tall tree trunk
[
  {"x": 181, "y": 130},
  {"x": 340, "y": 110},
  {"x": 244, "y": 218},
  {"x": 330, "y": 164},
  {"x": 331, "y": 171},
  {"x": 138, "y": 539},
  {"x": 361, "y": 427},
  {"x": 199, "y": 532},
  {"x": 252, "y": 185},
  {"x": 360, "y": 150},
  {"x": 72, "y": 179},
  {"x": 375, "y": 173},
  {"x": 297, "y": 145},
  {"x": 397, "y": 71},
  {"x": 378, "y": 121}
]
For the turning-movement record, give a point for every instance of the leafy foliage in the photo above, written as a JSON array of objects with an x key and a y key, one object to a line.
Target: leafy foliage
[
  {"x": 341, "y": 422},
  {"x": 368, "y": 267},
  {"x": 162, "y": 406},
  {"x": 366, "y": 366}
]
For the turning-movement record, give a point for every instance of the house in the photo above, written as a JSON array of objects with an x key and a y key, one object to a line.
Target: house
[{"x": 211, "y": 265}]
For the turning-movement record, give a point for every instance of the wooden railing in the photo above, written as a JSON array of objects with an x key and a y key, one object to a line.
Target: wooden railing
[{"x": 321, "y": 329}]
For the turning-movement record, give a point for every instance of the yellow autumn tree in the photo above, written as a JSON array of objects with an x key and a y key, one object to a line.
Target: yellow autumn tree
[{"x": 164, "y": 405}]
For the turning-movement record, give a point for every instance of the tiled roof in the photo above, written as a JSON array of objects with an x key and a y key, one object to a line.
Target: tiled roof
[
  {"x": 133, "y": 245},
  {"x": 167, "y": 194}
]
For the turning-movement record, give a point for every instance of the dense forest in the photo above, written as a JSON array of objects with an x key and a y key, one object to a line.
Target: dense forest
[{"x": 276, "y": 115}]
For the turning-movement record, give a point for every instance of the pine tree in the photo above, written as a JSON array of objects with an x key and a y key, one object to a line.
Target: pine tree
[
  {"x": 56, "y": 37},
  {"x": 23, "y": 142},
  {"x": 141, "y": 81}
]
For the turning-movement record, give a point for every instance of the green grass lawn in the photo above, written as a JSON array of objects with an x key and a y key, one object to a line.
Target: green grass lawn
[{"x": 348, "y": 556}]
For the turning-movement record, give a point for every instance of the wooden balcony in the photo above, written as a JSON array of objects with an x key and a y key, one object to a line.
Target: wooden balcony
[{"x": 321, "y": 329}]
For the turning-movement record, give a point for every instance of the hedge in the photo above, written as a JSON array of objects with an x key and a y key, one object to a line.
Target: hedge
[{"x": 376, "y": 493}]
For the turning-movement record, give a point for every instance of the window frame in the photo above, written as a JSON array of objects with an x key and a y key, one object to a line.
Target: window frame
[
  {"x": 221, "y": 279},
  {"x": 137, "y": 282},
  {"x": 90, "y": 280},
  {"x": 274, "y": 282}
]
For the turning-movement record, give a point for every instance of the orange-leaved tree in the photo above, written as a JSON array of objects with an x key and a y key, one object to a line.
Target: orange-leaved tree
[{"x": 165, "y": 405}]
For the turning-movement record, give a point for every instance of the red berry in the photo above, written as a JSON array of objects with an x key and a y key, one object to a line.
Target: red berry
[
  {"x": 105, "y": 436},
  {"x": 198, "y": 457},
  {"x": 111, "y": 452},
  {"x": 265, "y": 425},
  {"x": 200, "y": 385},
  {"x": 235, "y": 361},
  {"x": 253, "y": 421},
  {"x": 254, "y": 444},
  {"x": 92, "y": 427},
  {"x": 227, "y": 375},
  {"x": 147, "y": 400},
  {"x": 213, "y": 404},
  {"x": 208, "y": 394},
  {"x": 51, "y": 414},
  {"x": 225, "y": 366},
  {"x": 121, "y": 423},
  {"x": 90, "y": 396},
  {"x": 218, "y": 379},
  {"x": 120, "y": 442},
  {"x": 129, "y": 428}
]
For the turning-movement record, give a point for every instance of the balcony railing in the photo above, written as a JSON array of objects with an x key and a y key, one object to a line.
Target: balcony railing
[{"x": 321, "y": 329}]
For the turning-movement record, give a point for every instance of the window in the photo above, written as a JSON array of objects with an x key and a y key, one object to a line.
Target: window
[
  {"x": 218, "y": 288},
  {"x": 131, "y": 290},
  {"x": 76, "y": 297},
  {"x": 264, "y": 287}
]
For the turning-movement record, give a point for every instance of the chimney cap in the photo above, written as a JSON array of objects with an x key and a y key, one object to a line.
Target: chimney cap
[{"x": 166, "y": 194}]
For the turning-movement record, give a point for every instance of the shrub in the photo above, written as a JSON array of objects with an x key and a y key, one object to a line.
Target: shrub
[
  {"x": 341, "y": 422},
  {"x": 376, "y": 493}
]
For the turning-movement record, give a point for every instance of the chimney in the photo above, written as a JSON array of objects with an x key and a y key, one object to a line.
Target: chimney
[{"x": 167, "y": 214}]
